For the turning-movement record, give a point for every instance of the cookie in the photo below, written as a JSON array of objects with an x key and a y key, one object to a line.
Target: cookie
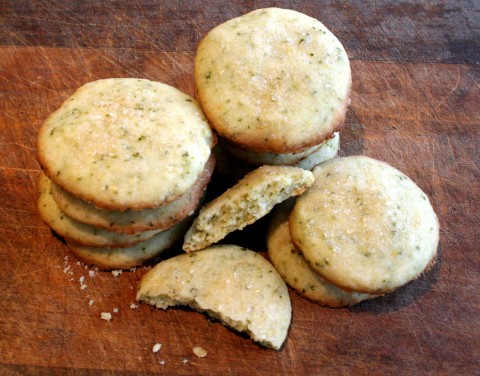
[
  {"x": 306, "y": 159},
  {"x": 365, "y": 226},
  {"x": 247, "y": 201},
  {"x": 125, "y": 143},
  {"x": 80, "y": 232},
  {"x": 232, "y": 284},
  {"x": 329, "y": 150},
  {"x": 134, "y": 221},
  {"x": 128, "y": 257},
  {"x": 273, "y": 80},
  {"x": 294, "y": 269}
]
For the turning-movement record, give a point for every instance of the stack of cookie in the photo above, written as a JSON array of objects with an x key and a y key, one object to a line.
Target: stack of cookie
[
  {"x": 125, "y": 163},
  {"x": 275, "y": 85},
  {"x": 362, "y": 229}
]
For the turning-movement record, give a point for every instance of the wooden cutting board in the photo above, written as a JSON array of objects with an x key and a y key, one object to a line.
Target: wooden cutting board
[{"x": 415, "y": 105}]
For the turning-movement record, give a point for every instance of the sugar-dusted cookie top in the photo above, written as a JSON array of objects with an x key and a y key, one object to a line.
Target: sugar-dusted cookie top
[
  {"x": 273, "y": 80},
  {"x": 125, "y": 143},
  {"x": 230, "y": 283},
  {"x": 365, "y": 226}
]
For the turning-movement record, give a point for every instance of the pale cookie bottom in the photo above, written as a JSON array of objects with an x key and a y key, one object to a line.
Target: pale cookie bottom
[{"x": 306, "y": 159}]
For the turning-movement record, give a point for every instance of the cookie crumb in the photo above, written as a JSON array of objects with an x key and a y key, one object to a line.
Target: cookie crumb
[
  {"x": 199, "y": 351},
  {"x": 133, "y": 306},
  {"x": 117, "y": 273},
  {"x": 156, "y": 348},
  {"x": 107, "y": 316},
  {"x": 162, "y": 362},
  {"x": 184, "y": 360},
  {"x": 115, "y": 310},
  {"x": 90, "y": 303},
  {"x": 92, "y": 273},
  {"x": 83, "y": 286}
]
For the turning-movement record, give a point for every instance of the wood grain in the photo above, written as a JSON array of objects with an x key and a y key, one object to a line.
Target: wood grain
[{"x": 415, "y": 105}]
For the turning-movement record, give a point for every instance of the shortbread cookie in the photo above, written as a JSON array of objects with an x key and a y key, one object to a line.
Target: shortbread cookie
[
  {"x": 329, "y": 150},
  {"x": 364, "y": 225},
  {"x": 126, "y": 143},
  {"x": 306, "y": 159},
  {"x": 232, "y": 284},
  {"x": 125, "y": 258},
  {"x": 133, "y": 221},
  {"x": 273, "y": 80},
  {"x": 77, "y": 231},
  {"x": 249, "y": 200},
  {"x": 294, "y": 269}
]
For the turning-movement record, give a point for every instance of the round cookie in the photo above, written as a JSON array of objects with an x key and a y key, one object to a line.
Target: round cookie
[
  {"x": 306, "y": 159},
  {"x": 329, "y": 150},
  {"x": 247, "y": 201},
  {"x": 232, "y": 284},
  {"x": 125, "y": 143},
  {"x": 273, "y": 80},
  {"x": 294, "y": 269},
  {"x": 134, "y": 221},
  {"x": 80, "y": 232},
  {"x": 365, "y": 226},
  {"x": 128, "y": 257}
]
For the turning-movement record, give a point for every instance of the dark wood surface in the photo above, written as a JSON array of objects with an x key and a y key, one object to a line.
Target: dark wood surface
[{"x": 415, "y": 105}]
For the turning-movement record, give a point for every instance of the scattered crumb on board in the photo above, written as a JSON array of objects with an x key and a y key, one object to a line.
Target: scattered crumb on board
[
  {"x": 117, "y": 273},
  {"x": 107, "y": 316},
  {"x": 199, "y": 351}
]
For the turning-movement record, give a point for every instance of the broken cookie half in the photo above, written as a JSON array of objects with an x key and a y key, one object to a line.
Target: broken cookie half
[
  {"x": 235, "y": 285},
  {"x": 249, "y": 200}
]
